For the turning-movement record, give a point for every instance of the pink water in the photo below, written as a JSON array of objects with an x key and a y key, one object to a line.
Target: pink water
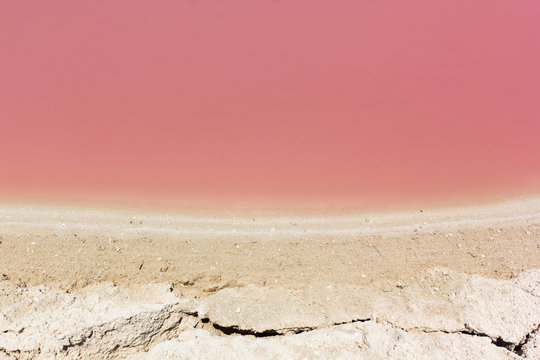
[{"x": 352, "y": 101}]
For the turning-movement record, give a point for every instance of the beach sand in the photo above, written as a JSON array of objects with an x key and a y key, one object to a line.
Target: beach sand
[{"x": 236, "y": 277}]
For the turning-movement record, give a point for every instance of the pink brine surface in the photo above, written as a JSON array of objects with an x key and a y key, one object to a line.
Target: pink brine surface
[{"x": 282, "y": 100}]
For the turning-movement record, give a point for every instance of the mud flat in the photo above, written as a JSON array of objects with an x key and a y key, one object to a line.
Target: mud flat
[{"x": 456, "y": 283}]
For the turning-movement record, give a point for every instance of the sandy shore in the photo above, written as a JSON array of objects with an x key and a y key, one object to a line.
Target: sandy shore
[{"x": 230, "y": 280}]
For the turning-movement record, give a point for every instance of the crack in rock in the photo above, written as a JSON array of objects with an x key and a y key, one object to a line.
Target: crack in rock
[
  {"x": 515, "y": 348},
  {"x": 530, "y": 347},
  {"x": 360, "y": 340},
  {"x": 233, "y": 330},
  {"x": 439, "y": 312},
  {"x": 438, "y": 300}
]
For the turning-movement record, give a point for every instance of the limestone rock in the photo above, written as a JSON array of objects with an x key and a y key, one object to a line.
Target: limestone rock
[
  {"x": 277, "y": 310},
  {"x": 438, "y": 300},
  {"x": 531, "y": 349},
  {"x": 367, "y": 340},
  {"x": 436, "y": 315},
  {"x": 442, "y": 300},
  {"x": 4, "y": 356},
  {"x": 101, "y": 319},
  {"x": 529, "y": 281}
]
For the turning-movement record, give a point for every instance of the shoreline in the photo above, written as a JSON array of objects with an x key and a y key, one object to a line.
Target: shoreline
[
  {"x": 50, "y": 245},
  {"x": 81, "y": 283}
]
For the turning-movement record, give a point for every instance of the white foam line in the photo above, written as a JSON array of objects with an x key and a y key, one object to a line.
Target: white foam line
[
  {"x": 221, "y": 220},
  {"x": 100, "y": 216},
  {"x": 185, "y": 231}
]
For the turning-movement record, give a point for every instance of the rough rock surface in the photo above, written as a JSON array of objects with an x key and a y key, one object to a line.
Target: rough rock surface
[
  {"x": 531, "y": 349},
  {"x": 367, "y": 340},
  {"x": 276, "y": 310},
  {"x": 4, "y": 356},
  {"x": 439, "y": 300},
  {"x": 529, "y": 281},
  {"x": 438, "y": 314},
  {"x": 102, "y": 320}
]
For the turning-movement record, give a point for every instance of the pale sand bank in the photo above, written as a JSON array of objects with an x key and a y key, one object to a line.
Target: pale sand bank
[{"x": 72, "y": 245}]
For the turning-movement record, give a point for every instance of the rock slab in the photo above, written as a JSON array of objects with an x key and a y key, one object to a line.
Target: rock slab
[{"x": 439, "y": 314}]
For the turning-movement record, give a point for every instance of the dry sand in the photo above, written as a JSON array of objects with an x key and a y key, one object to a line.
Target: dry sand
[{"x": 426, "y": 283}]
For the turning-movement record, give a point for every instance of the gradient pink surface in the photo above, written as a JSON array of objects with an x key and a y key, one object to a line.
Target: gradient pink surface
[{"x": 359, "y": 101}]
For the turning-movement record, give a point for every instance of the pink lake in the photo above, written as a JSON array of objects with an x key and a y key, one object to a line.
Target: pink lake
[{"x": 283, "y": 102}]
